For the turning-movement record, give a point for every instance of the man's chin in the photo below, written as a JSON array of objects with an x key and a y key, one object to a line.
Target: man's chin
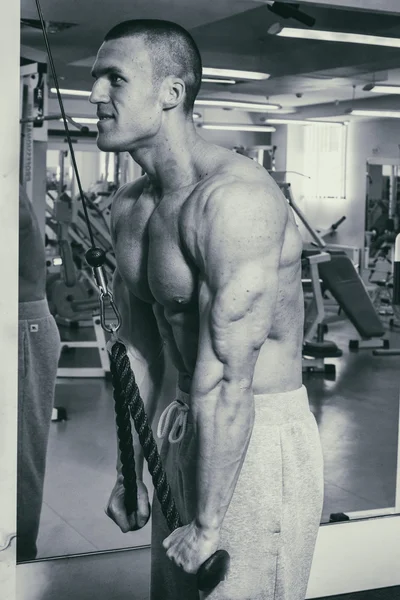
[{"x": 107, "y": 145}]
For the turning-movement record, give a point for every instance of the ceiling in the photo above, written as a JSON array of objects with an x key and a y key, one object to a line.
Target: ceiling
[{"x": 308, "y": 78}]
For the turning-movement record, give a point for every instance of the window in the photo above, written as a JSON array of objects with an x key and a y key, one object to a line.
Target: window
[
  {"x": 325, "y": 161},
  {"x": 107, "y": 166}
]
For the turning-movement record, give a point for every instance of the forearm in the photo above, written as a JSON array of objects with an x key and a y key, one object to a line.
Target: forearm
[{"x": 224, "y": 420}]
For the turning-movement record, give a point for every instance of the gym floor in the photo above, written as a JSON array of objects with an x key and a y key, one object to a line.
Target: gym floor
[{"x": 357, "y": 414}]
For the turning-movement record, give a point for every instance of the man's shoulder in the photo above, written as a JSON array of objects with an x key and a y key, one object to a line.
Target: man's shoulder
[
  {"x": 239, "y": 194},
  {"x": 131, "y": 190},
  {"x": 124, "y": 198},
  {"x": 235, "y": 180}
]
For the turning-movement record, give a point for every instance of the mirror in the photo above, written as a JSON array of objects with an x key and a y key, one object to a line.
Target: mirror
[
  {"x": 357, "y": 410},
  {"x": 358, "y": 418},
  {"x": 381, "y": 216}
]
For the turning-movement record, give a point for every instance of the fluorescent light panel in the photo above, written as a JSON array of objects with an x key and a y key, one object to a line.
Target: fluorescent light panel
[
  {"x": 71, "y": 92},
  {"x": 258, "y": 107},
  {"x": 251, "y": 75},
  {"x": 390, "y": 114},
  {"x": 84, "y": 120},
  {"x": 213, "y": 80},
  {"x": 337, "y": 36},
  {"x": 228, "y": 75},
  {"x": 382, "y": 89},
  {"x": 94, "y": 120},
  {"x": 261, "y": 128},
  {"x": 303, "y": 122}
]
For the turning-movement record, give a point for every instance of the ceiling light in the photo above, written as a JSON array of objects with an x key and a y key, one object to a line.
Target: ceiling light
[
  {"x": 196, "y": 115},
  {"x": 251, "y": 75},
  {"x": 390, "y": 114},
  {"x": 382, "y": 89},
  {"x": 262, "y": 128},
  {"x": 256, "y": 106},
  {"x": 334, "y": 36},
  {"x": 213, "y": 80},
  {"x": 71, "y": 92},
  {"x": 84, "y": 120},
  {"x": 303, "y": 122}
]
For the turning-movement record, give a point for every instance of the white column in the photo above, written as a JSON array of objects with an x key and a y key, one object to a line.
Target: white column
[{"x": 9, "y": 174}]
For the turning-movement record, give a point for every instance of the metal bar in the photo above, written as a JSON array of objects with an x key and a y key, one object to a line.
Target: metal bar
[
  {"x": 316, "y": 237},
  {"x": 318, "y": 301},
  {"x": 80, "y": 372},
  {"x": 370, "y": 514},
  {"x": 93, "y": 344}
]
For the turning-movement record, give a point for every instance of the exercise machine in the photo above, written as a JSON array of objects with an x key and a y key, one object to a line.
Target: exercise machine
[
  {"x": 71, "y": 292},
  {"x": 341, "y": 279},
  {"x": 316, "y": 349},
  {"x": 395, "y": 300}
]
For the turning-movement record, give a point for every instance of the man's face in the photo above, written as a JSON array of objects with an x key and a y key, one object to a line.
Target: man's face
[{"x": 128, "y": 104}]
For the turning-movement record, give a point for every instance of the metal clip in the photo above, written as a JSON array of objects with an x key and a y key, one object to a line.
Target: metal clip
[
  {"x": 101, "y": 280},
  {"x": 112, "y": 328}
]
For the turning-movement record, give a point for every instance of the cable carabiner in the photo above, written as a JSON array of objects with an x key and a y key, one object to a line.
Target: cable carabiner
[
  {"x": 95, "y": 257},
  {"x": 112, "y": 327}
]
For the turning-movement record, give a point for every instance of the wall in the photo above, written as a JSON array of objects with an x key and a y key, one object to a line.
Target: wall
[{"x": 375, "y": 139}]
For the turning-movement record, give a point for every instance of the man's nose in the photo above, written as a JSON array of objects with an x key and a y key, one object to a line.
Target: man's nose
[{"x": 99, "y": 93}]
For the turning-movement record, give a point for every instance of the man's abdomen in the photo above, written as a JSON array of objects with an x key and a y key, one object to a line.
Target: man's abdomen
[{"x": 278, "y": 367}]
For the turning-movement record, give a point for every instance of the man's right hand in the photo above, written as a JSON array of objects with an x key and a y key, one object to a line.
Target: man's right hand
[{"x": 117, "y": 512}]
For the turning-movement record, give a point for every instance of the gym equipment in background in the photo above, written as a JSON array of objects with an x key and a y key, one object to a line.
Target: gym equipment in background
[
  {"x": 340, "y": 277},
  {"x": 395, "y": 299},
  {"x": 315, "y": 348},
  {"x": 355, "y": 515},
  {"x": 72, "y": 295}
]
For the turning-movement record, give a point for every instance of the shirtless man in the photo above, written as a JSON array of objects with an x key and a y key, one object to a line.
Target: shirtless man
[
  {"x": 38, "y": 352},
  {"x": 208, "y": 266}
]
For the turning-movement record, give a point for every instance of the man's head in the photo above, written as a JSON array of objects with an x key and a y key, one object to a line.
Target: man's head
[{"x": 143, "y": 68}]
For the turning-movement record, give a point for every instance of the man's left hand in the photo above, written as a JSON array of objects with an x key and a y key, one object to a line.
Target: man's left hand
[{"x": 189, "y": 546}]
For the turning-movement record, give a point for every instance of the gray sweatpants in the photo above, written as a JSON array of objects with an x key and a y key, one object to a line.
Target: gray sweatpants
[
  {"x": 38, "y": 355},
  {"x": 271, "y": 525}
]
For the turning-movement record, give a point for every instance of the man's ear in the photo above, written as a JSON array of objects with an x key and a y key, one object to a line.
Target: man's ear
[{"x": 173, "y": 92}]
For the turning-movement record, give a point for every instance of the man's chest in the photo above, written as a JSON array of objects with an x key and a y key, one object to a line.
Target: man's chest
[{"x": 151, "y": 256}]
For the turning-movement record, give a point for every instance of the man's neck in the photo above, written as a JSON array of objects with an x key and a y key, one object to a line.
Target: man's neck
[{"x": 171, "y": 162}]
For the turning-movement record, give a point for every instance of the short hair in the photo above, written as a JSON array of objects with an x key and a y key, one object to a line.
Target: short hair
[{"x": 173, "y": 52}]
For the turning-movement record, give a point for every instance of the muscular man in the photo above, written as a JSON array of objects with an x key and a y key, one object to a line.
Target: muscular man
[
  {"x": 208, "y": 266},
  {"x": 38, "y": 353}
]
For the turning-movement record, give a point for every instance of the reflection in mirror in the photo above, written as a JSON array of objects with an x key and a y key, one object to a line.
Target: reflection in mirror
[
  {"x": 382, "y": 217},
  {"x": 357, "y": 414},
  {"x": 357, "y": 418},
  {"x": 347, "y": 288}
]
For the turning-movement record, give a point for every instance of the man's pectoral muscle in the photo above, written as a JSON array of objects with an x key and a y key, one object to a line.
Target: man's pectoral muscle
[{"x": 241, "y": 253}]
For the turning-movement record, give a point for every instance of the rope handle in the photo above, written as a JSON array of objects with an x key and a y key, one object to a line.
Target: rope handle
[{"x": 128, "y": 400}]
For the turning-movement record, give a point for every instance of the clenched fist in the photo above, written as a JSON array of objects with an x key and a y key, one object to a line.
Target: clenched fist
[{"x": 117, "y": 512}]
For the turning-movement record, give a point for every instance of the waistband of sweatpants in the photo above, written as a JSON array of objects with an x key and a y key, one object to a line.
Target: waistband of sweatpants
[
  {"x": 273, "y": 409},
  {"x": 39, "y": 309}
]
